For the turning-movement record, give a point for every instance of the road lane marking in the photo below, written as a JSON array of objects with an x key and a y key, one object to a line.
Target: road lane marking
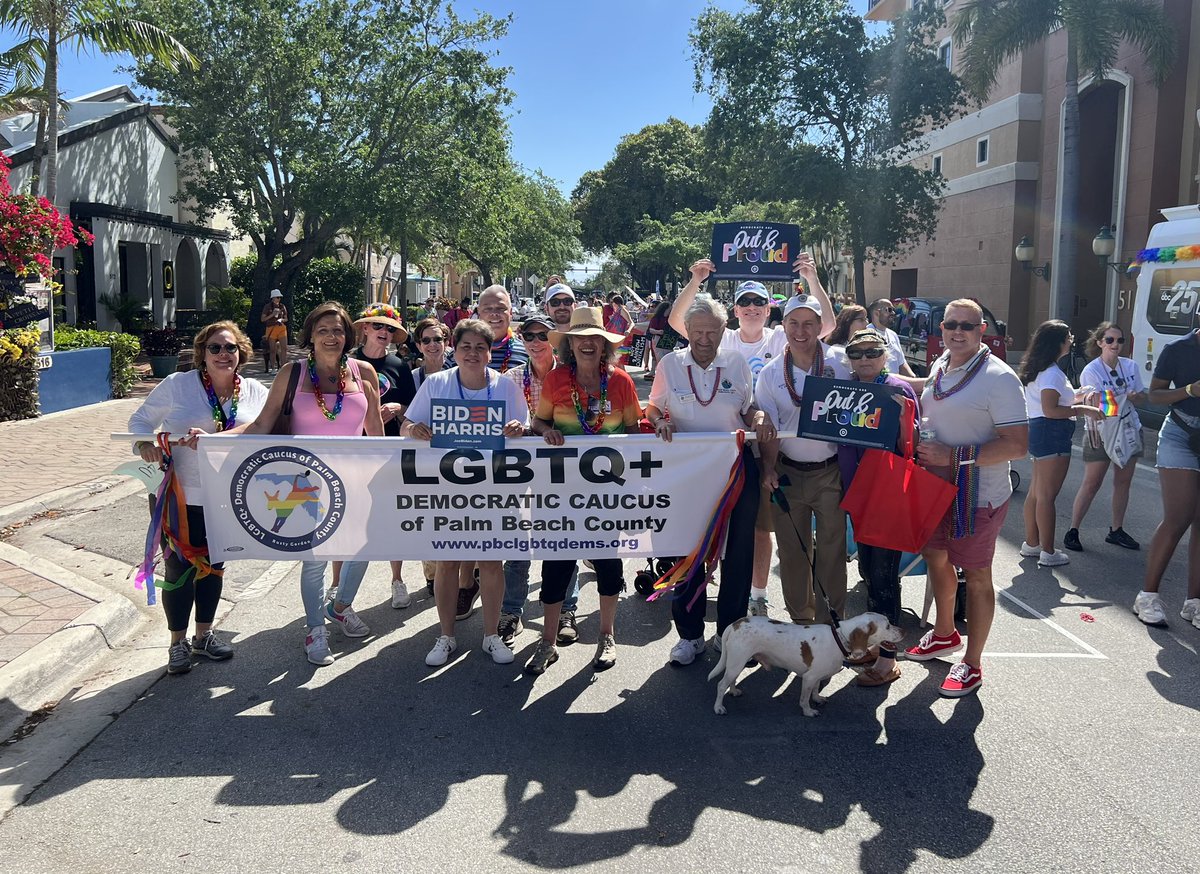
[{"x": 1092, "y": 652}]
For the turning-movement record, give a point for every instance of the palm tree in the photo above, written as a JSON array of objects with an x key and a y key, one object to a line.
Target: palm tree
[
  {"x": 992, "y": 32},
  {"x": 42, "y": 26}
]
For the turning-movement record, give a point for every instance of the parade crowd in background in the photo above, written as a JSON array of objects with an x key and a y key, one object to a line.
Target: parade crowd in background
[{"x": 559, "y": 372}]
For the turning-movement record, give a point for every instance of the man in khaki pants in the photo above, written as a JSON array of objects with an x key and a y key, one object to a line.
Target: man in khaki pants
[{"x": 806, "y": 470}]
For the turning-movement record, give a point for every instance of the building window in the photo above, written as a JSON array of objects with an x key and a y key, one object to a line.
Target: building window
[
  {"x": 981, "y": 150},
  {"x": 935, "y": 164},
  {"x": 945, "y": 53}
]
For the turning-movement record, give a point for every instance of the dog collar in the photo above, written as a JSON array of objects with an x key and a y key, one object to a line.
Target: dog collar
[{"x": 837, "y": 638}]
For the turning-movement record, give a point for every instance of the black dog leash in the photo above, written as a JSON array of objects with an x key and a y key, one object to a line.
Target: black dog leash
[{"x": 779, "y": 498}]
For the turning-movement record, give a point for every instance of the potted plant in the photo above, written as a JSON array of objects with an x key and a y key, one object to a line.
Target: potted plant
[{"x": 162, "y": 346}]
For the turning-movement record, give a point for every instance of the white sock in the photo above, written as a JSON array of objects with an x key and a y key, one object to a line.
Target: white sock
[{"x": 756, "y": 592}]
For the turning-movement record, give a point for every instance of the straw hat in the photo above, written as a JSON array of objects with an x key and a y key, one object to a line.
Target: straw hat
[
  {"x": 382, "y": 314},
  {"x": 586, "y": 322}
]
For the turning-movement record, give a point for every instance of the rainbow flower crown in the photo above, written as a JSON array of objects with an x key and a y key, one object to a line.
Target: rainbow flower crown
[{"x": 380, "y": 310}]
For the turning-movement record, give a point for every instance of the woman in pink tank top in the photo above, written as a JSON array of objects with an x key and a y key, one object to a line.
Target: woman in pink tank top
[{"x": 336, "y": 396}]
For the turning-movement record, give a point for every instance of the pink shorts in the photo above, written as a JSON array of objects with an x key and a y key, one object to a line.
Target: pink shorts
[{"x": 975, "y": 551}]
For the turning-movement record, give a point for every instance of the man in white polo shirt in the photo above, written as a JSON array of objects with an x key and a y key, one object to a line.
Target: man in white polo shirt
[
  {"x": 560, "y": 301},
  {"x": 806, "y": 470},
  {"x": 883, "y": 315},
  {"x": 707, "y": 387},
  {"x": 975, "y": 405}
]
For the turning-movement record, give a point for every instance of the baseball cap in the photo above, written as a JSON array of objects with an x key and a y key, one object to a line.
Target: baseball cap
[
  {"x": 751, "y": 286},
  {"x": 867, "y": 337},
  {"x": 557, "y": 289},
  {"x": 797, "y": 301},
  {"x": 538, "y": 319}
]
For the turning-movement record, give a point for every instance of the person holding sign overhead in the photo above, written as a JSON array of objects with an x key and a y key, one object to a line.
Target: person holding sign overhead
[
  {"x": 585, "y": 394},
  {"x": 470, "y": 380},
  {"x": 708, "y": 388},
  {"x": 806, "y": 470},
  {"x": 758, "y": 345}
]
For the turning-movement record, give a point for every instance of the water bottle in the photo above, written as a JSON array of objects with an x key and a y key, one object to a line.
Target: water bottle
[{"x": 926, "y": 432}]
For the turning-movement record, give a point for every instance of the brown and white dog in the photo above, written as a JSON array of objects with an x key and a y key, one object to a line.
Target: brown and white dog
[{"x": 809, "y": 651}]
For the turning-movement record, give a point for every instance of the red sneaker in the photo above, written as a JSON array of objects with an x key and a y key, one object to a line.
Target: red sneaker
[
  {"x": 962, "y": 680},
  {"x": 932, "y": 646}
]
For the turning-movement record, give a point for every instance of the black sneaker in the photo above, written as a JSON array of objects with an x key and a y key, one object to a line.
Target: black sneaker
[
  {"x": 211, "y": 647},
  {"x": 179, "y": 657},
  {"x": 466, "y": 601},
  {"x": 510, "y": 626},
  {"x": 568, "y": 633},
  {"x": 1120, "y": 538},
  {"x": 1071, "y": 540},
  {"x": 429, "y": 586}
]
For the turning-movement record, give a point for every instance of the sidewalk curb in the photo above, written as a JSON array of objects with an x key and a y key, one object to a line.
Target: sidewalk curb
[
  {"x": 44, "y": 672},
  {"x": 58, "y": 498}
]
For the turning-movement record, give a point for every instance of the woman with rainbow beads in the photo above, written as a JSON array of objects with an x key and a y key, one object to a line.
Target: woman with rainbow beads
[{"x": 585, "y": 394}]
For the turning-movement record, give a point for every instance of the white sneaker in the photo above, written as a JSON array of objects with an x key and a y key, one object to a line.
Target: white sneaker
[
  {"x": 316, "y": 646},
  {"x": 685, "y": 652},
  {"x": 400, "y": 596},
  {"x": 1191, "y": 610},
  {"x": 1053, "y": 559},
  {"x": 494, "y": 646},
  {"x": 1148, "y": 607},
  {"x": 440, "y": 654},
  {"x": 347, "y": 620},
  {"x": 1028, "y": 551}
]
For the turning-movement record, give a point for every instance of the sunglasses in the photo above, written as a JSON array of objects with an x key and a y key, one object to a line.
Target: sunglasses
[
  {"x": 1108, "y": 341},
  {"x": 1120, "y": 381},
  {"x": 751, "y": 300},
  {"x": 960, "y": 326},
  {"x": 375, "y": 326},
  {"x": 426, "y": 341},
  {"x": 530, "y": 336},
  {"x": 218, "y": 348},
  {"x": 855, "y": 354},
  {"x": 561, "y": 302}
]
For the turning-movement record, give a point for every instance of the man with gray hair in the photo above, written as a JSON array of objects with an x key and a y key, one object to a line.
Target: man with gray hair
[
  {"x": 707, "y": 387},
  {"x": 495, "y": 308}
]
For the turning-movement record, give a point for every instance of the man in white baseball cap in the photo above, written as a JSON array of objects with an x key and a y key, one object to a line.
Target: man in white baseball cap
[{"x": 559, "y": 302}]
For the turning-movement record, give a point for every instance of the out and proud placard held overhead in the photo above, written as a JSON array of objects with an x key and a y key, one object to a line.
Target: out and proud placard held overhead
[{"x": 755, "y": 250}]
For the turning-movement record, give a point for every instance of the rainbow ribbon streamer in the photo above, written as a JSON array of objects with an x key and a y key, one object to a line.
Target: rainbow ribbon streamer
[
  {"x": 685, "y": 570},
  {"x": 169, "y": 527},
  {"x": 966, "y": 477},
  {"x": 1164, "y": 255},
  {"x": 1108, "y": 403}
]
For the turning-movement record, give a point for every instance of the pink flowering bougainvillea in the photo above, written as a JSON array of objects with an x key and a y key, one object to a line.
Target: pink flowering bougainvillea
[{"x": 30, "y": 227}]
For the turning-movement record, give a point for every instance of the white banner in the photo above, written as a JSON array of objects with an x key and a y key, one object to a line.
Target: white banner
[{"x": 379, "y": 498}]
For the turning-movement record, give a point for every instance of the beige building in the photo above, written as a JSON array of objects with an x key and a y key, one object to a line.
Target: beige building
[{"x": 1139, "y": 148}]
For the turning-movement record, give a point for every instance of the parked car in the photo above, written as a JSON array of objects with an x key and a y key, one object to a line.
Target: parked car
[{"x": 918, "y": 323}]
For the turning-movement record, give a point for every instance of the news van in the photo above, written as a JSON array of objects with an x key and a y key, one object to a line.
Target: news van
[{"x": 1168, "y": 286}]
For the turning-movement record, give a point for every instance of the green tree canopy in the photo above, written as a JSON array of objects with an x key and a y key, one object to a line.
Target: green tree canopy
[
  {"x": 803, "y": 73},
  {"x": 302, "y": 107}
]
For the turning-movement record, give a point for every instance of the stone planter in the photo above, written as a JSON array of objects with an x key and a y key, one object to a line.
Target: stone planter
[{"x": 163, "y": 365}]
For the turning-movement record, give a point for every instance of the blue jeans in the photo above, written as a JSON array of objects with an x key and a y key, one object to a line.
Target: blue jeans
[
  {"x": 516, "y": 588},
  {"x": 312, "y": 587}
]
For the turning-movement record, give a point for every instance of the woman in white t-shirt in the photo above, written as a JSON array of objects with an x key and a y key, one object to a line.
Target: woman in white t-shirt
[
  {"x": 1050, "y": 403},
  {"x": 1108, "y": 371}
]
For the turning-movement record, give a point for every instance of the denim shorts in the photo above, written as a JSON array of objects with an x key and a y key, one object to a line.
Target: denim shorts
[
  {"x": 1173, "y": 450},
  {"x": 1050, "y": 437}
]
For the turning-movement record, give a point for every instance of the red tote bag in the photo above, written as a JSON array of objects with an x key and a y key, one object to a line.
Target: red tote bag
[{"x": 893, "y": 502}]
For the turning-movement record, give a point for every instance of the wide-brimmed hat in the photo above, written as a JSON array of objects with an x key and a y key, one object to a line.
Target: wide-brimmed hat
[
  {"x": 867, "y": 337},
  {"x": 383, "y": 314},
  {"x": 275, "y": 292},
  {"x": 587, "y": 322}
]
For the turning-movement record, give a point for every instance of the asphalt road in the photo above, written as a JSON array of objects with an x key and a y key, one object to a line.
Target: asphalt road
[{"x": 1077, "y": 754}]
